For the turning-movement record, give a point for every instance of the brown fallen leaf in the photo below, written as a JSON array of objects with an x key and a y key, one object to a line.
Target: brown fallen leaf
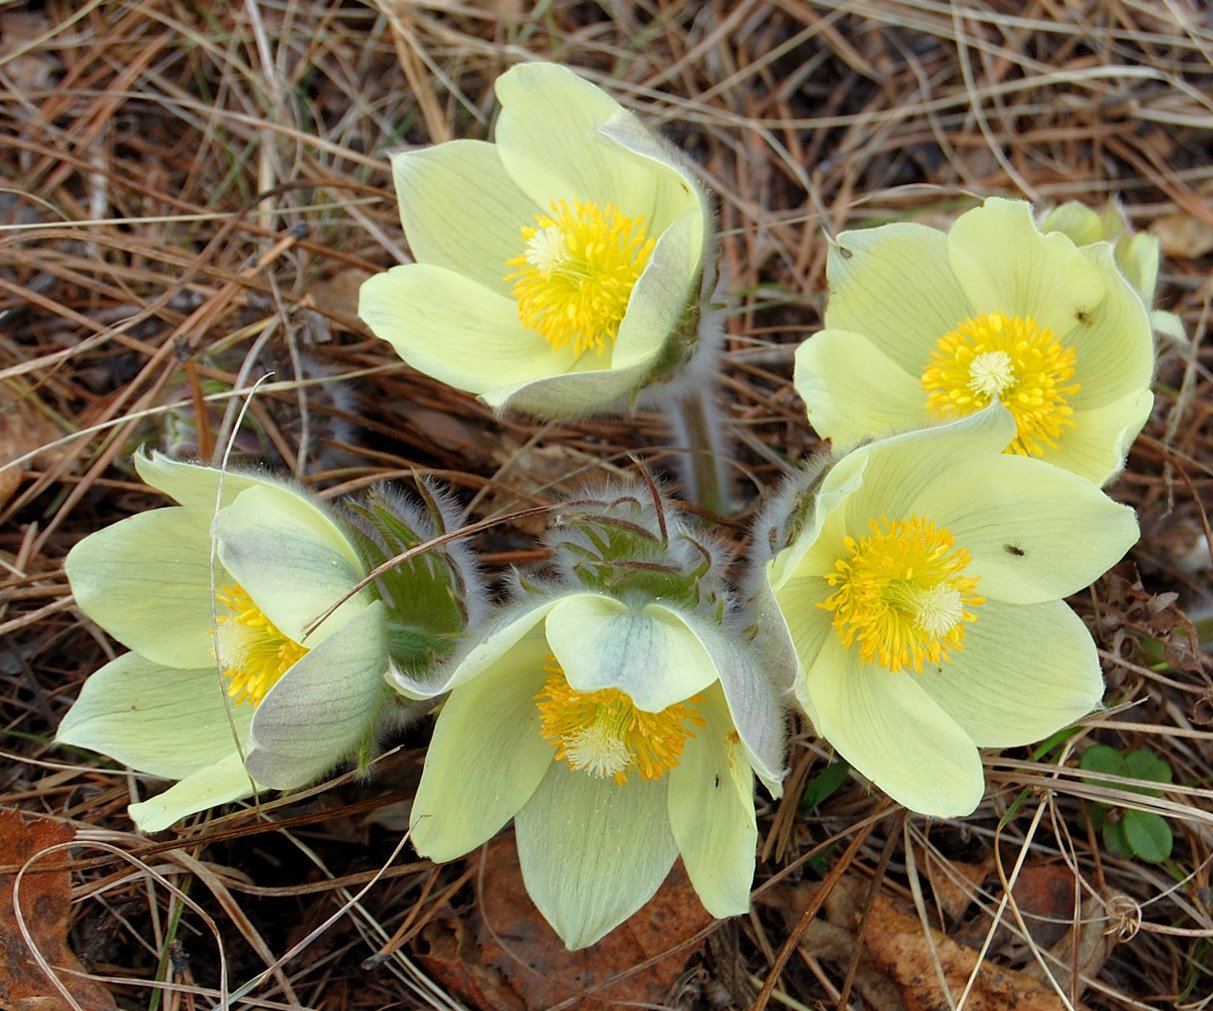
[
  {"x": 832, "y": 939},
  {"x": 833, "y": 944},
  {"x": 954, "y": 883},
  {"x": 31, "y": 67},
  {"x": 902, "y": 950},
  {"x": 507, "y": 958},
  {"x": 23, "y": 429},
  {"x": 338, "y": 294},
  {"x": 892, "y": 955},
  {"x": 1183, "y": 235},
  {"x": 1044, "y": 896},
  {"x": 46, "y": 911}
]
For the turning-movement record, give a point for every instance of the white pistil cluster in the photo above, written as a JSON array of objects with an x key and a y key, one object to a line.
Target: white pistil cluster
[
  {"x": 546, "y": 250},
  {"x": 990, "y": 373},
  {"x": 939, "y": 609},
  {"x": 599, "y": 750}
]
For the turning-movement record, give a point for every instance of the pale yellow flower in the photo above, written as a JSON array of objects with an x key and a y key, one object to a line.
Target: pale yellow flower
[
  {"x": 924, "y": 326},
  {"x": 558, "y": 269},
  {"x": 219, "y": 595},
  {"x": 619, "y": 719},
  {"x": 922, "y": 594}
]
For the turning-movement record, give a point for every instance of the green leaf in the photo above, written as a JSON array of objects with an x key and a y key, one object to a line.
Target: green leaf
[
  {"x": 1142, "y": 763},
  {"x": 1147, "y": 835},
  {"x": 1053, "y": 743},
  {"x": 423, "y": 592},
  {"x": 1114, "y": 839},
  {"x": 1102, "y": 758},
  {"x": 412, "y": 647},
  {"x": 824, "y": 785}
]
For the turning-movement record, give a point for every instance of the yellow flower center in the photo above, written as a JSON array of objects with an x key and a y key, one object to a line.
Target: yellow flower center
[
  {"x": 255, "y": 652},
  {"x": 1011, "y": 359},
  {"x": 577, "y": 272},
  {"x": 901, "y": 594},
  {"x": 604, "y": 734}
]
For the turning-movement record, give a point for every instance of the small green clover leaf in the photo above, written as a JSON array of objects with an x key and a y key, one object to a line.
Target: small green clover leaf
[{"x": 1129, "y": 833}]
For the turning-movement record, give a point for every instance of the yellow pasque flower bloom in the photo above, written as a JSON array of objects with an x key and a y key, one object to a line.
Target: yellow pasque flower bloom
[
  {"x": 216, "y": 596},
  {"x": 1137, "y": 253},
  {"x": 618, "y": 737},
  {"x": 558, "y": 269},
  {"x": 922, "y": 594},
  {"x": 924, "y": 327},
  {"x": 620, "y": 723}
]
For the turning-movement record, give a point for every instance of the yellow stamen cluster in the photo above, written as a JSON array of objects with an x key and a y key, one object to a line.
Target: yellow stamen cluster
[
  {"x": 900, "y": 593},
  {"x": 255, "y": 652},
  {"x": 577, "y": 272},
  {"x": 1009, "y": 358},
  {"x": 604, "y": 734}
]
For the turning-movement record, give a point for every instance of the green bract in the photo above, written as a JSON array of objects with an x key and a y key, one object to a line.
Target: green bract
[
  {"x": 922, "y": 595},
  {"x": 924, "y": 326},
  {"x": 575, "y": 211},
  {"x": 230, "y": 580},
  {"x": 620, "y": 727}
]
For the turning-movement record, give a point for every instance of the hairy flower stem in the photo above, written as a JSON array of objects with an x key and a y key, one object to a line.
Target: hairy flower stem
[{"x": 695, "y": 417}]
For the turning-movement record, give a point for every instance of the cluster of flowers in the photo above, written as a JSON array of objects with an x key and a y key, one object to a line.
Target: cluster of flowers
[{"x": 978, "y": 385}]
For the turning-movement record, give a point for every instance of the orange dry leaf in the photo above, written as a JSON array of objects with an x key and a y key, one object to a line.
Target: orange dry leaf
[
  {"x": 45, "y": 910},
  {"x": 509, "y": 959},
  {"x": 901, "y": 950},
  {"x": 23, "y": 429}
]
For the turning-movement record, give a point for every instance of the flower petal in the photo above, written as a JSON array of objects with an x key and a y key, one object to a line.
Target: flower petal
[
  {"x": 169, "y": 723},
  {"x": 648, "y": 653},
  {"x": 458, "y": 331},
  {"x": 322, "y": 710},
  {"x": 808, "y": 624},
  {"x": 453, "y": 193},
  {"x": 486, "y": 758},
  {"x": 659, "y": 299},
  {"x": 1024, "y": 673},
  {"x": 572, "y": 394},
  {"x": 193, "y": 484},
  {"x": 1006, "y": 264},
  {"x": 1076, "y": 220},
  {"x": 146, "y": 580},
  {"x": 1036, "y": 532},
  {"x": 1138, "y": 260},
  {"x": 797, "y": 606},
  {"x": 894, "y": 284},
  {"x": 750, "y": 670},
  {"x": 1113, "y": 342},
  {"x": 900, "y": 468},
  {"x": 502, "y": 636},
  {"x": 291, "y": 559},
  {"x": 549, "y": 141},
  {"x": 893, "y": 732},
  {"x": 593, "y": 852},
  {"x": 1101, "y": 438},
  {"x": 677, "y": 189},
  {"x": 812, "y": 550},
  {"x": 711, "y": 805},
  {"x": 854, "y": 391},
  {"x": 224, "y": 781}
]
